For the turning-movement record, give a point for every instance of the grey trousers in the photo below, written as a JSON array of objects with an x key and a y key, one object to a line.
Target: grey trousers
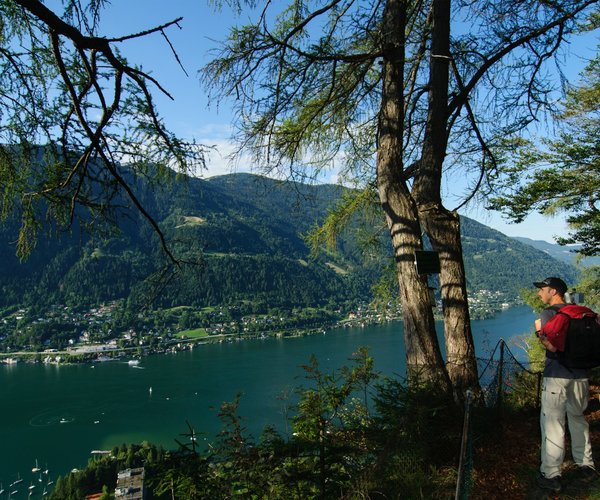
[{"x": 564, "y": 400}]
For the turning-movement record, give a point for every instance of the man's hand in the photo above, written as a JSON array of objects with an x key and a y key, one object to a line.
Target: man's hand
[
  {"x": 547, "y": 344},
  {"x": 543, "y": 339}
]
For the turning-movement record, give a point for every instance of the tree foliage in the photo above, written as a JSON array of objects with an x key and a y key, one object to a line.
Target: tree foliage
[
  {"x": 67, "y": 88},
  {"x": 306, "y": 80},
  {"x": 563, "y": 175},
  {"x": 589, "y": 286},
  {"x": 395, "y": 94}
]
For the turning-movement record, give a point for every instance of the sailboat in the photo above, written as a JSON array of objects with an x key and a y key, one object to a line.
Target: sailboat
[
  {"x": 1, "y": 488},
  {"x": 36, "y": 468}
]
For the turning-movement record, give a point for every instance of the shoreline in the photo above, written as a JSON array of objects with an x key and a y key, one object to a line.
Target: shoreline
[
  {"x": 101, "y": 353},
  {"x": 104, "y": 353}
]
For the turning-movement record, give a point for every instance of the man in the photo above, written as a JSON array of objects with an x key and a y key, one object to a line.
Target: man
[{"x": 564, "y": 393}]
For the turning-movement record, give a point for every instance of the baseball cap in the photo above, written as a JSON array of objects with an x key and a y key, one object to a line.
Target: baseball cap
[{"x": 559, "y": 285}]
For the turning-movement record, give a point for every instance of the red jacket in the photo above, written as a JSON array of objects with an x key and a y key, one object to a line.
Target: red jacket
[{"x": 555, "y": 329}]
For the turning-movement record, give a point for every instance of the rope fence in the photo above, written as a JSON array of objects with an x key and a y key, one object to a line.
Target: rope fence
[
  {"x": 503, "y": 375},
  {"x": 503, "y": 378}
]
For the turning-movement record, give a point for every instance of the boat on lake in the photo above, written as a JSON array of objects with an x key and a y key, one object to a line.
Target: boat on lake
[
  {"x": 103, "y": 359},
  {"x": 36, "y": 468}
]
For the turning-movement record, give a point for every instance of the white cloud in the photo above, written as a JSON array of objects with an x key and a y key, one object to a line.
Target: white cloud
[{"x": 219, "y": 159}]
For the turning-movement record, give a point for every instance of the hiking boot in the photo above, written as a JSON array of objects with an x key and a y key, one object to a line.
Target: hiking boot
[
  {"x": 587, "y": 473},
  {"x": 549, "y": 483}
]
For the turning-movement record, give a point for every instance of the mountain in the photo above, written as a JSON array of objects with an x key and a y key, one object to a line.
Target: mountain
[
  {"x": 246, "y": 233},
  {"x": 494, "y": 261},
  {"x": 561, "y": 252}
]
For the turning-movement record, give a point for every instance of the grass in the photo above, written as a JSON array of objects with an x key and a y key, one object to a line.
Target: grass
[
  {"x": 177, "y": 309},
  {"x": 196, "y": 333},
  {"x": 189, "y": 220},
  {"x": 337, "y": 269}
]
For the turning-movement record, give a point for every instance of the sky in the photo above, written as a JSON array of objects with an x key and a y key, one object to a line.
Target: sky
[{"x": 191, "y": 114}]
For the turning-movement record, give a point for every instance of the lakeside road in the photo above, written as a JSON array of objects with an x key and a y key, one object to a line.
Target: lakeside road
[
  {"x": 105, "y": 352},
  {"x": 151, "y": 340}
]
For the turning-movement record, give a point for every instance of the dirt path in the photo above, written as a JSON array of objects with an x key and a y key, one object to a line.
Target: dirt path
[{"x": 506, "y": 462}]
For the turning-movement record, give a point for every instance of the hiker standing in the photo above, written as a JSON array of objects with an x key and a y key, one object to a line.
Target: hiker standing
[{"x": 564, "y": 394}]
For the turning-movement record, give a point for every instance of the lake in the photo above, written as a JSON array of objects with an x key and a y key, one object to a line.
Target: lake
[{"x": 56, "y": 415}]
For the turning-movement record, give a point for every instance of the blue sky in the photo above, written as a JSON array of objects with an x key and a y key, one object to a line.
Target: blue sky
[{"x": 191, "y": 114}]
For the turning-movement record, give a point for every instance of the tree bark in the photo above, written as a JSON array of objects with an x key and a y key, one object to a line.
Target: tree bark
[
  {"x": 423, "y": 356},
  {"x": 443, "y": 229},
  {"x": 441, "y": 226},
  {"x": 424, "y": 360}
]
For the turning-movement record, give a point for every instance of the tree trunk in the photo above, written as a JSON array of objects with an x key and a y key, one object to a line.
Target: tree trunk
[
  {"x": 443, "y": 229},
  {"x": 441, "y": 226},
  {"x": 423, "y": 356},
  {"x": 424, "y": 360}
]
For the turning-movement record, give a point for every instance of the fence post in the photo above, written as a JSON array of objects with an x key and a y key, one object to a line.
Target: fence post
[
  {"x": 463, "y": 446},
  {"x": 500, "y": 376}
]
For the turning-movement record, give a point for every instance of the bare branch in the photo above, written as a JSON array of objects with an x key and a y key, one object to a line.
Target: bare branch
[
  {"x": 84, "y": 90},
  {"x": 495, "y": 58},
  {"x": 141, "y": 34}
]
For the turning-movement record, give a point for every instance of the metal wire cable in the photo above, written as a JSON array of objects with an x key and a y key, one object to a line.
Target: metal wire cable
[{"x": 499, "y": 383}]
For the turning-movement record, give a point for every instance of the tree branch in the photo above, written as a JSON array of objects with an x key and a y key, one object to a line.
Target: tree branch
[{"x": 459, "y": 99}]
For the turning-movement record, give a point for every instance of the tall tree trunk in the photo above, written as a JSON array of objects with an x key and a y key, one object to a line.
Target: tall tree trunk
[
  {"x": 424, "y": 359},
  {"x": 443, "y": 229},
  {"x": 441, "y": 226}
]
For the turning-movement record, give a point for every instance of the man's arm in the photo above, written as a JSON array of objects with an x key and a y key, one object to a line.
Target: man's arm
[{"x": 551, "y": 329}]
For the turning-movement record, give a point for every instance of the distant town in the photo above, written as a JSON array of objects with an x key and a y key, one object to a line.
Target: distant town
[{"x": 64, "y": 334}]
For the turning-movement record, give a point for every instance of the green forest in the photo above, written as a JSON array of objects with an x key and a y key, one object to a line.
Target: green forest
[{"x": 233, "y": 253}]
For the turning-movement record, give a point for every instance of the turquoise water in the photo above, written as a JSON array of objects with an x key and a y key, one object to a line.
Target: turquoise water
[{"x": 58, "y": 414}]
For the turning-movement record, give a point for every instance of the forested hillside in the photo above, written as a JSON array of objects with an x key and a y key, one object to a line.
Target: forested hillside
[
  {"x": 494, "y": 261},
  {"x": 245, "y": 234},
  {"x": 565, "y": 253}
]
